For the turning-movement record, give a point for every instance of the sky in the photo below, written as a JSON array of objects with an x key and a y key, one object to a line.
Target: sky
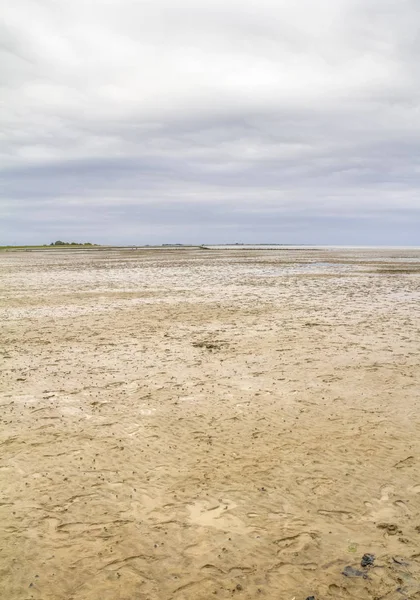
[{"x": 210, "y": 121}]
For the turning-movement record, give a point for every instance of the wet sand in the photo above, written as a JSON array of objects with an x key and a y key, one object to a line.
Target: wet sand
[{"x": 193, "y": 424}]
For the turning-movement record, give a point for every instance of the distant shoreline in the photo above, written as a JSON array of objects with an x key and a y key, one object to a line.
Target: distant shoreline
[{"x": 101, "y": 248}]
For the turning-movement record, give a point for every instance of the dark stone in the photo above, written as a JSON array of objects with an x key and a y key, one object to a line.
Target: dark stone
[{"x": 367, "y": 560}]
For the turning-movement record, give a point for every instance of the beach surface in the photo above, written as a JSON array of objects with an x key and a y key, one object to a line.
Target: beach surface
[{"x": 192, "y": 424}]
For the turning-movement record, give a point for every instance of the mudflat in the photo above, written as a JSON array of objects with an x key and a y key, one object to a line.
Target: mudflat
[{"x": 189, "y": 424}]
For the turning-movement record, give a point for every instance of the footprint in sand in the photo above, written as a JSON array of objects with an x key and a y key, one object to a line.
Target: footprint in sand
[
  {"x": 298, "y": 542},
  {"x": 387, "y": 507},
  {"x": 217, "y": 515}
]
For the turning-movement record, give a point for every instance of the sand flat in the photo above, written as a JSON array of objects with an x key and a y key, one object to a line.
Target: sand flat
[{"x": 193, "y": 424}]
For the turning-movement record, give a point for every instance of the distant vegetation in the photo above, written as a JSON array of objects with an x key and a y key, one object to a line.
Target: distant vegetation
[
  {"x": 57, "y": 244},
  {"x": 60, "y": 243}
]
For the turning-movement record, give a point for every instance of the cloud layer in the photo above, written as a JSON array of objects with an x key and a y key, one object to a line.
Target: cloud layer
[{"x": 127, "y": 121}]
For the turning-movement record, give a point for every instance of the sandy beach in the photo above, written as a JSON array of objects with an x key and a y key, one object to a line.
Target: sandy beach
[{"x": 189, "y": 424}]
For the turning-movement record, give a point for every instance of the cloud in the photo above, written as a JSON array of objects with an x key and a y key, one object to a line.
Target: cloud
[{"x": 158, "y": 121}]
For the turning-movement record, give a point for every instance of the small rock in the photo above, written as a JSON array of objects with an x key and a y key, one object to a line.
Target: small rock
[
  {"x": 367, "y": 560},
  {"x": 239, "y": 587}
]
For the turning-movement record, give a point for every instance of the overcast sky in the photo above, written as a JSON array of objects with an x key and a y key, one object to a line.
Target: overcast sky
[{"x": 200, "y": 121}]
